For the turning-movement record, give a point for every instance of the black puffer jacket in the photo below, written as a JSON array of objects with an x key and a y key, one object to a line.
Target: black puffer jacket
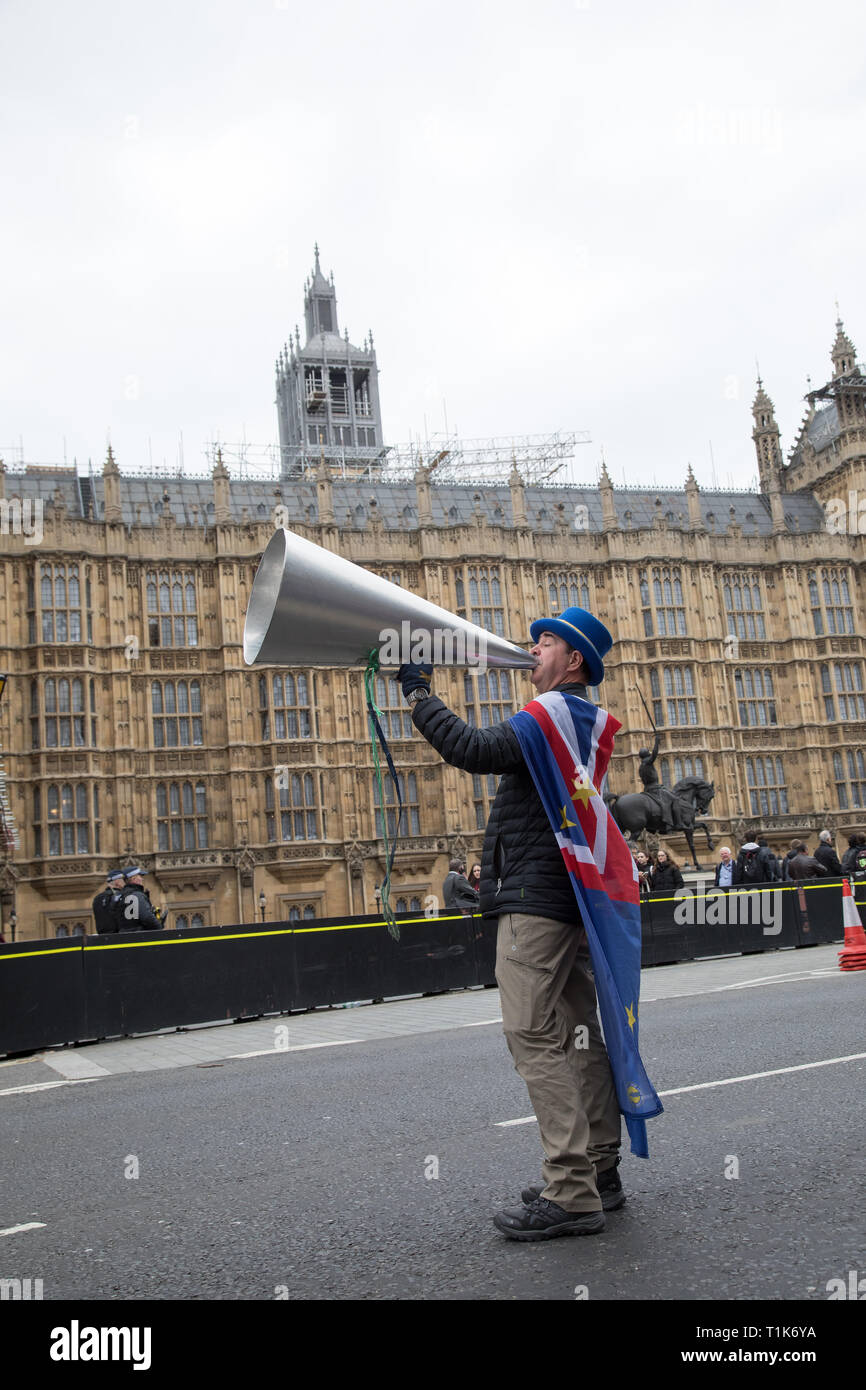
[
  {"x": 522, "y": 868},
  {"x": 826, "y": 855},
  {"x": 135, "y": 911}
]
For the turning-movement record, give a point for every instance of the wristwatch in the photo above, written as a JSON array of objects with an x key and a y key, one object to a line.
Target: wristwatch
[{"x": 416, "y": 696}]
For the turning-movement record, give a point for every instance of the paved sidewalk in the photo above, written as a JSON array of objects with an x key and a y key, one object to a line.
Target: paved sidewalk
[{"x": 218, "y": 1042}]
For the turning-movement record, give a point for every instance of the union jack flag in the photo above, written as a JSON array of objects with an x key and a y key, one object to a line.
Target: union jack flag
[{"x": 567, "y": 744}]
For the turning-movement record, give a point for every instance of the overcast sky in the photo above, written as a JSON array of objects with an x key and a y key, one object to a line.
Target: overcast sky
[{"x": 566, "y": 215}]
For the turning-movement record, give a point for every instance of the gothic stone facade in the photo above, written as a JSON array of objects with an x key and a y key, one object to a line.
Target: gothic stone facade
[{"x": 132, "y": 728}]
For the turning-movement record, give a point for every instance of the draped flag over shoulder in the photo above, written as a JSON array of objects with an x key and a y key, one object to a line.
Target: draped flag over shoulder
[{"x": 567, "y": 743}]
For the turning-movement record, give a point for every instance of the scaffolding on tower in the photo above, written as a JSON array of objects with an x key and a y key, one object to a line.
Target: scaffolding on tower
[{"x": 540, "y": 459}]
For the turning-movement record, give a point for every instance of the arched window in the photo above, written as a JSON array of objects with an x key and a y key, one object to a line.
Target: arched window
[
  {"x": 292, "y": 715},
  {"x": 665, "y": 614},
  {"x": 172, "y": 616},
  {"x": 68, "y": 817},
  {"x": 396, "y": 720},
  {"x": 680, "y": 704},
  {"x": 744, "y": 606},
  {"x": 485, "y": 598},
  {"x": 756, "y": 703},
  {"x": 768, "y": 792},
  {"x": 849, "y": 771},
  {"x": 61, "y": 603},
  {"x": 568, "y": 591},
  {"x": 176, "y": 714},
  {"x": 408, "y": 784},
  {"x": 849, "y": 701},
  {"x": 181, "y": 816},
  {"x": 488, "y": 697},
  {"x": 836, "y": 613}
]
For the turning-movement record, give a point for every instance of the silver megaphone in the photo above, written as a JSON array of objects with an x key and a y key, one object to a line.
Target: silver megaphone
[{"x": 310, "y": 607}]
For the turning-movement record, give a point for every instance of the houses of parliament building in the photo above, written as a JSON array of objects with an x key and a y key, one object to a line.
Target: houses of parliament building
[{"x": 130, "y": 727}]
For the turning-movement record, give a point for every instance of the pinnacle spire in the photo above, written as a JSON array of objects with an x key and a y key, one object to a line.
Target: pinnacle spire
[{"x": 843, "y": 353}]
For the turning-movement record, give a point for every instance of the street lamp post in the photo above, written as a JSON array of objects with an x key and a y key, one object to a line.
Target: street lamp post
[{"x": 263, "y": 902}]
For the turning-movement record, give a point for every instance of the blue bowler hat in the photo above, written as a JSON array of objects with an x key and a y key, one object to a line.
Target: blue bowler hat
[{"x": 581, "y": 630}]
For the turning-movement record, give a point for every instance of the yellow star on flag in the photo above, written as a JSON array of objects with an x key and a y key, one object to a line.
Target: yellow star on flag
[
  {"x": 629, "y": 1013},
  {"x": 565, "y": 821},
  {"x": 583, "y": 789}
]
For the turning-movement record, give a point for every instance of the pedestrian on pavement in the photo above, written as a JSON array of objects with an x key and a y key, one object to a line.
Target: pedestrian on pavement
[
  {"x": 542, "y": 958},
  {"x": 105, "y": 904},
  {"x": 772, "y": 869},
  {"x": 826, "y": 854},
  {"x": 803, "y": 865},
  {"x": 855, "y": 848},
  {"x": 644, "y": 866},
  {"x": 752, "y": 864},
  {"x": 665, "y": 875},
  {"x": 726, "y": 869},
  {"x": 475, "y": 877},
  {"x": 458, "y": 893},
  {"x": 786, "y": 862},
  {"x": 134, "y": 909}
]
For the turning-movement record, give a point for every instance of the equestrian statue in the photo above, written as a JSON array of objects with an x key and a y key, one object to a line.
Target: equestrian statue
[{"x": 658, "y": 809}]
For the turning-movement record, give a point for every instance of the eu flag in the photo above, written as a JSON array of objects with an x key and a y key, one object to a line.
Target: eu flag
[{"x": 567, "y": 743}]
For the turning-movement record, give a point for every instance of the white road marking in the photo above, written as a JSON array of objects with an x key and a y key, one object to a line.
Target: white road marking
[
  {"x": 792, "y": 977},
  {"x": 759, "y": 1075},
  {"x": 300, "y": 1047},
  {"x": 27, "y": 1226},
  {"x": 727, "y": 1081},
  {"x": 48, "y": 1085}
]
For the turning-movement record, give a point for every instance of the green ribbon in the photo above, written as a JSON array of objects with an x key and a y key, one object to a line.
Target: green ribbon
[{"x": 374, "y": 716}]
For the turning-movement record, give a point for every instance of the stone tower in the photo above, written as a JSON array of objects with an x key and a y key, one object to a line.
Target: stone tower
[
  {"x": 767, "y": 441},
  {"x": 327, "y": 392}
]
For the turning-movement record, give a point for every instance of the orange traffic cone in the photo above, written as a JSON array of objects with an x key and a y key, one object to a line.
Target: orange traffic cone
[{"x": 853, "y": 954}]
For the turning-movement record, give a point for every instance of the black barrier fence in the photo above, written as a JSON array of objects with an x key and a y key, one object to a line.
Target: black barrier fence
[{"x": 87, "y": 988}]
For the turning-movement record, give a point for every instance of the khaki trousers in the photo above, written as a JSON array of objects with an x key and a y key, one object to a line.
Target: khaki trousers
[{"x": 547, "y": 991}]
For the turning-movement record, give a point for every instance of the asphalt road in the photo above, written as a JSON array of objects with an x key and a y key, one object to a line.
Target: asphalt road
[{"x": 310, "y": 1175}]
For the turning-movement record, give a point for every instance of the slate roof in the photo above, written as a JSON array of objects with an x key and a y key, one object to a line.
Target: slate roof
[
  {"x": 191, "y": 502},
  {"x": 820, "y": 432}
]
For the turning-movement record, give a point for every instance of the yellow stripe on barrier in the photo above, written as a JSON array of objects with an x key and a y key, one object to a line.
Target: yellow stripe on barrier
[
  {"x": 51, "y": 951},
  {"x": 744, "y": 892},
  {"x": 407, "y": 922},
  {"x": 226, "y": 936}
]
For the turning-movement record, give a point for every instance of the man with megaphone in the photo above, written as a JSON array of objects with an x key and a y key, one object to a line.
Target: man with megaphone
[{"x": 558, "y": 875}]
